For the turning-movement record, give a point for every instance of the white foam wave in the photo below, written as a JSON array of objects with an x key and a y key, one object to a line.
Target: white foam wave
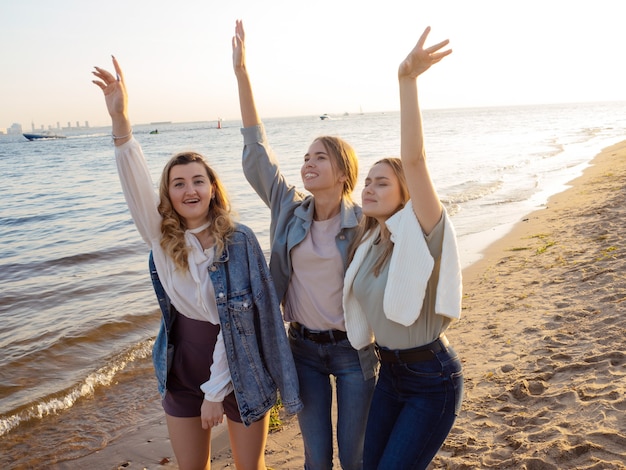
[{"x": 103, "y": 377}]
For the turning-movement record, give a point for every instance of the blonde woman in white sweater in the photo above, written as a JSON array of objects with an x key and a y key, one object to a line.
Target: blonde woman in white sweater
[{"x": 402, "y": 290}]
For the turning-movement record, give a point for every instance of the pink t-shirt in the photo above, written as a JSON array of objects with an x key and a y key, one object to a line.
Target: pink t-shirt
[{"x": 314, "y": 295}]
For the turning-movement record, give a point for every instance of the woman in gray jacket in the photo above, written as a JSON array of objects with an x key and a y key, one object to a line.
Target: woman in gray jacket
[{"x": 310, "y": 235}]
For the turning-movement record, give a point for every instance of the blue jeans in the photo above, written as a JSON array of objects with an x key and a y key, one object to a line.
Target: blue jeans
[
  {"x": 355, "y": 377},
  {"x": 413, "y": 409}
]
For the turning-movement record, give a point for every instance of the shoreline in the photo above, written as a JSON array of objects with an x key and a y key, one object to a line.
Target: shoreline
[{"x": 541, "y": 338}]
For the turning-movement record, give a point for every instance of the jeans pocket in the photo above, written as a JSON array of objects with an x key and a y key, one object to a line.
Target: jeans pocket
[
  {"x": 423, "y": 369},
  {"x": 457, "y": 383}
]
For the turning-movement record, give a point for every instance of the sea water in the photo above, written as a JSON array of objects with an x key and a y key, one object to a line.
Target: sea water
[{"x": 78, "y": 314}]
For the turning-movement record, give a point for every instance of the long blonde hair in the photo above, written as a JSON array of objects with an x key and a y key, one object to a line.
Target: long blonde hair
[
  {"x": 173, "y": 225},
  {"x": 345, "y": 160},
  {"x": 367, "y": 225}
]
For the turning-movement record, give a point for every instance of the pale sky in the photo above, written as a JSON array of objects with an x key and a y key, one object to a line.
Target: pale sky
[{"x": 304, "y": 57}]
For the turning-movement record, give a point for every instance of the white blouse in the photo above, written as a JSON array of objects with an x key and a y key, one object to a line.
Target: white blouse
[{"x": 190, "y": 291}]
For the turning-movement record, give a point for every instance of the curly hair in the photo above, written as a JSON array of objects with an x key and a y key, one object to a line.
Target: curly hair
[
  {"x": 367, "y": 224},
  {"x": 345, "y": 159},
  {"x": 173, "y": 225}
]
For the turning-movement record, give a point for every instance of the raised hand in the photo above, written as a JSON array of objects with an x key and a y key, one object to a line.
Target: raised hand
[
  {"x": 249, "y": 114},
  {"x": 239, "y": 48},
  {"x": 114, "y": 89},
  {"x": 419, "y": 59}
]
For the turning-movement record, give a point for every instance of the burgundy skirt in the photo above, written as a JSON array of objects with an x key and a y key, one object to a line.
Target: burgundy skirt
[{"x": 194, "y": 343}]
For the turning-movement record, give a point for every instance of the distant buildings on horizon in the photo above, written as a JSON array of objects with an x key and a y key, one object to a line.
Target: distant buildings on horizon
[{"x": 16, "y": 128}]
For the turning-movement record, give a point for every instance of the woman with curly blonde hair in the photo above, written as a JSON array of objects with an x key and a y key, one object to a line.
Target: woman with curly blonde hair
[
  {"x": 222, "y": 346},
  {"x": 172, "y": 226}
]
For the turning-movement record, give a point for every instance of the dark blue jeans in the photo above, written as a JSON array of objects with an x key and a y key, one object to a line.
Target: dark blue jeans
[
  {"x": 316, "y": 363},
  {"x": 413, "y": 409}
]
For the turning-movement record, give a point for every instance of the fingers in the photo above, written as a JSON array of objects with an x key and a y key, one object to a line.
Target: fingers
[
  {"x": 422, "y": 39},
  {"x": 100, "y": 84},
  {"x": 239, "y": 36},
  {"x": 238, "y": 46},
  {"x": 211, "y": 414},
  {"x": 432, "y": 52},
  {"x": 101, "y": 74},
  {"x": 438, "y": 46},
  {"x": 105, "y": 76},
  {"x": 118, "y": 69},
  {"x": 421, "y": 59},
  {"x": 210, "y": 423},
  {"x": 239, "y": 31},
  {"x": 431, "y": 49},
  {"x": 436, "y": 57}
]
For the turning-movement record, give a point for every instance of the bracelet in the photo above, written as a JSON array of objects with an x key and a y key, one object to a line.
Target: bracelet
[{"x": 115, "y": 137}]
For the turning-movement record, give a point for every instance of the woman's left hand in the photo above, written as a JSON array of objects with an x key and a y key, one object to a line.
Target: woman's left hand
[
  {"x": 239, "y": 48},
  {"x": 211, "y": 413},
  {"x": 419, "y": 59}
]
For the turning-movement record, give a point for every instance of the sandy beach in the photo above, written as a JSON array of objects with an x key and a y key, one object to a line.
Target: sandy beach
[{"x": 542, "y": 339}]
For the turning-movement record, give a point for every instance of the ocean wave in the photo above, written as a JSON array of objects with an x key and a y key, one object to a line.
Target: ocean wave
[
  {"x": 17, "y": 222},
  {"x": 470, "y": 191},
  {"x": 36, "y": 267},
  {"x": 65, "y": 399}
]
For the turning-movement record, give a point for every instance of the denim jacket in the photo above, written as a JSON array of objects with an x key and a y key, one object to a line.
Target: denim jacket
[
  {"x": 292, "y": 210},
  {"x": 257, "y": 349}
]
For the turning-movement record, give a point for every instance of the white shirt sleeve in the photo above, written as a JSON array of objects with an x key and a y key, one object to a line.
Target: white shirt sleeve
[
  {"x": 143, "y": 200},
  {"x": 139, "y": 190},
  {"x": 220, "y": 384}
]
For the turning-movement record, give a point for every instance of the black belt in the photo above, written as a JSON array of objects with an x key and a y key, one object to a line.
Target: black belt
[
  {"x": 319, "y": 336},
  {"x": 419, "y": 354}
]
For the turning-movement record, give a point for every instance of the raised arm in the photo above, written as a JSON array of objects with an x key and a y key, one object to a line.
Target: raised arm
[
  {"x": 114, "y": 89},
  {"x": 132, "y": 167},
  {"x": 424, "y": 196},
  {"x": 249, "y": 115}
]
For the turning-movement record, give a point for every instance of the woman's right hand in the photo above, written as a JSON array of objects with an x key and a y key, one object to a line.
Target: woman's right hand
[{"x": 420, "y": 59}]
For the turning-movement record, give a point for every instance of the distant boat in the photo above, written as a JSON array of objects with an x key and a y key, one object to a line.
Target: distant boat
[
  {"x": 156, "y": 131},
  {"x": 44, "y": 136},
  {"x": 324, "y": 116}
]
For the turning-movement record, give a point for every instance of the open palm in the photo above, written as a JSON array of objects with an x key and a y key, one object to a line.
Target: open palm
[
  {"x": 419, "y": 59},
  {"x": 113, "y": 87}
]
